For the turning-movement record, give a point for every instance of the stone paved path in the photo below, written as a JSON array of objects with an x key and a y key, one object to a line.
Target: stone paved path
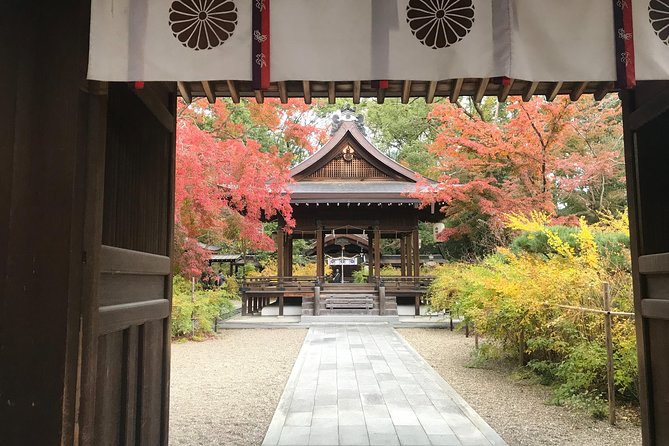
[{"x": 364, "y": 385}]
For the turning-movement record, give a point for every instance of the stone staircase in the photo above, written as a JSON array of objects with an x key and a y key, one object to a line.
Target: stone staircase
[{"x": 350, "y": 299}]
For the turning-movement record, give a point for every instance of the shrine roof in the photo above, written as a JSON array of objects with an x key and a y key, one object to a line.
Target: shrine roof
[{"x": 349, "y": 168}]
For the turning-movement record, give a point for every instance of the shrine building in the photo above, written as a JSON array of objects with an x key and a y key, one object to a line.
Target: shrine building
[{"x": 346, "y": 198}]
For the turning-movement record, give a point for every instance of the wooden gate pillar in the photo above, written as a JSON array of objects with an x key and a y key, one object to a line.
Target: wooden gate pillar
[{"x": 646, "y": 124}]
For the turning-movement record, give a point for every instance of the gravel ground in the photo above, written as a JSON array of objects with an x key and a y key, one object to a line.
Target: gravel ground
[
  {"x": 224, "y": 391},
  {"x": 517, "y": 411}
]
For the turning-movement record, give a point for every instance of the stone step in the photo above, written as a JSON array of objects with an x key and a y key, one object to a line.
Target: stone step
[
  {"x": 350, "y": 318},
  {"x": 349, "y": 312}
]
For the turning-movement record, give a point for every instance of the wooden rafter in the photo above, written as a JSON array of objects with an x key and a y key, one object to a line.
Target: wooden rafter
[
  {"x": 403, "y": 89},
  {"x": 603, "y": 90},
  {"x": 380, "y": 95},
  {"x": 554, "y": 92},
  {"x": 260, "y": 97},
  {"x": 578, "y": 91},
  {"x": 406, "y": 92},
  {"x": 455, "y": 91},
  {"x": 283, "y": 92},
  {"x": 356, "y": 91},
  {"x": 505, "y": 90},
  {"x": 234, "y": 94},
  {"x": 480, "y": 91},
  {"x": 184, "y": 90},
  {"x": 431, "y": 90},
  {"x": 208, "y": 91},
  {"x": 306, "y": 88},
  {"x": 529, "y": 91}
]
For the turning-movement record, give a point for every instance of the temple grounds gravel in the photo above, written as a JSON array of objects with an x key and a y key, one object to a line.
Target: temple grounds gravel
[
  {"x": 518, "y": 411},
  {"x": 224, "y": 390}
]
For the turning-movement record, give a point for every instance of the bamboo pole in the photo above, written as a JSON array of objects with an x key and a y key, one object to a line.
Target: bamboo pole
[
  {"x": 609, "y": 353},
  {"x": 593, "y": 310}
]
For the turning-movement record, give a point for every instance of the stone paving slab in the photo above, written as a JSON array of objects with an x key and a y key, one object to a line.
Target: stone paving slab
[{"x": 365, "y": 385}]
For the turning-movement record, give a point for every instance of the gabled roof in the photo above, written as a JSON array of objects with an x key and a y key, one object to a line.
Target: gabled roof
[{"x": 349, "y": 132}]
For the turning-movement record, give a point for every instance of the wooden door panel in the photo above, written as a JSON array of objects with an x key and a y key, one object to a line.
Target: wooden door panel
[
  {"x": 108, "y": 393},
  {"x": 647, "y": 164},
  {"x": 134, "y": 280}
]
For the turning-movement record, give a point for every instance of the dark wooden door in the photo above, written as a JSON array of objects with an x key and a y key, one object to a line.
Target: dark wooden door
[
  {"x": 646, "y": 115},
  {"x": 127, "y": 332}
]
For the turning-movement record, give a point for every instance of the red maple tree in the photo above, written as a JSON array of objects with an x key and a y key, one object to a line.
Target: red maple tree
[
  {"x": 224, "y": 178},
  {"x": 530, "y": 158}
]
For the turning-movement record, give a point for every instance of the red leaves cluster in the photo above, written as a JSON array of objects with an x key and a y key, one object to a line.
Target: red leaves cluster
[
  {"x": 224, "y": 185},
  {"x": 489, "y": 168}
]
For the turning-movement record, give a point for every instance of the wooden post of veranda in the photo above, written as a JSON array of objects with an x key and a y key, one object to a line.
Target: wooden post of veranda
[{"x": 609, "y": 353}]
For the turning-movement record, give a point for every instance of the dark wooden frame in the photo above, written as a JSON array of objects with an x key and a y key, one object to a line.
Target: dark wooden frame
[
  {"x": 646, "y": 122},
  {"x": 52, "y": 148}
]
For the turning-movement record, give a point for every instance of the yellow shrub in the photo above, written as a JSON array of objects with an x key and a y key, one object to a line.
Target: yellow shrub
[{"x": 513, "y": 299}]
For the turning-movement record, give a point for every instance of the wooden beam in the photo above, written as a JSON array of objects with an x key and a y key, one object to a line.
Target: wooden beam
[
  {"x": 406, "y": 91},
  {"x": 529, "y": 91},
  {"x": 234, "y": 94},
  {"x": 306, "y": 86},
  {"x": 260, "y": 96},
  {"x": 429, "y": 96},
  {"x": 505, "y": 90},
  {"x": 185, "y": 92},
  {"x": 115, "y": 260},
  {"x": 283, "y": 93},
  {"x": 554, "y": 92},
  {"x": 356, "y": 91},
  {"x": 455, "y": 91},
  {"x": 118, "y": 317},
  {"x": 208, "y": 91},
  {"x": 578, "y": 91},
  {"x": 648, "y": 111},
  {"x": 332, "y": 92},
  {"x": 603, "y": 89},
  {"x": 157, "y": 106},
  {"x": 480, "y": 92}
]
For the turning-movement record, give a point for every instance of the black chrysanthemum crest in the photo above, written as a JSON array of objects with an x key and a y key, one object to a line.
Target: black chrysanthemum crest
[
  {"x": 440, "y": 23},
  {"x": 203, "y": 24},
  {"x": 658, "y": 11}
]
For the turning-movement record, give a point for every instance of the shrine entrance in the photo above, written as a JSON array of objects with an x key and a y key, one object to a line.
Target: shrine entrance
[{"x": 86, "y": 194}]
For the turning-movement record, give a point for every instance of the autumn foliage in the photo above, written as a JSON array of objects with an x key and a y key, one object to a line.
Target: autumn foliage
[
  {"x": 232, "y": 168},
  {"x": 536, "y": 155}
]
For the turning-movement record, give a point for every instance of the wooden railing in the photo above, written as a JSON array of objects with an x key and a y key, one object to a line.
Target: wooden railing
[
  {"x": 275, "y": 282},
  {"x": 406, "y": 281}
]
